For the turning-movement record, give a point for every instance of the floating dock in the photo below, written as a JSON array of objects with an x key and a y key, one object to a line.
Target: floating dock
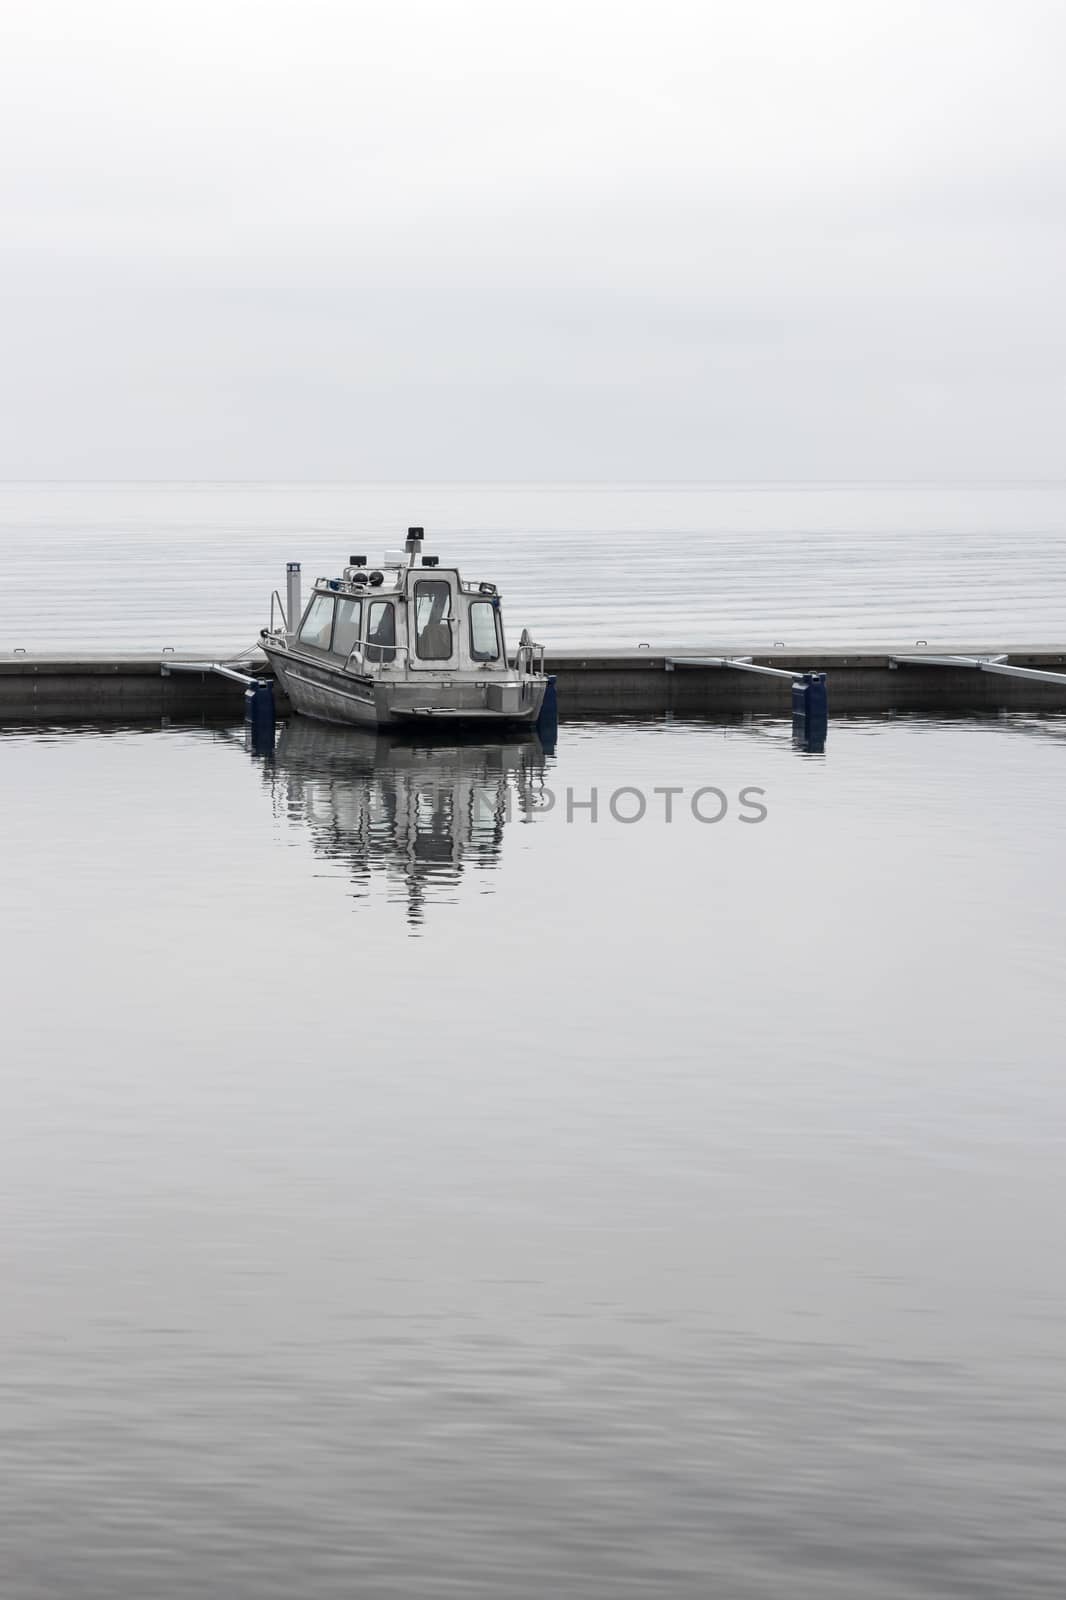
[{"x": 687, "y": 680}]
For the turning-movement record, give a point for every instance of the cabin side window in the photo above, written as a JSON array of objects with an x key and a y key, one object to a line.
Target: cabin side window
[
  {"x": 318, "y": 623},
  {"x": 346, "y": 628},
  {"x": 381, "y": 631},
  {"x": 433, "y": 629},
  {"x": 484, "y": 639}
]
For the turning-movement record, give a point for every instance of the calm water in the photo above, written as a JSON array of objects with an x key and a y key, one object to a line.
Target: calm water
[
  {"x": 410, "y": 1192},
  {"x": 192, "y": 566}
]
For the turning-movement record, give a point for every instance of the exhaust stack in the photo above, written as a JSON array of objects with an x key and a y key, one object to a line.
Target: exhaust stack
[{"x": 293, "y": 599}]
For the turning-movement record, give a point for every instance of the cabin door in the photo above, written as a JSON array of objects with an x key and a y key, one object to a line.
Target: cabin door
[{"x": 433, "y": 621}]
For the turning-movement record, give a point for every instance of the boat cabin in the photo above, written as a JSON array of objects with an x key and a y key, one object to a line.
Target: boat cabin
[{"x": 420, "y": 616}]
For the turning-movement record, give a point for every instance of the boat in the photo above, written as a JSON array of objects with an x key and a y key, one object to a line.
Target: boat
[{"x": 408, "y": 643}]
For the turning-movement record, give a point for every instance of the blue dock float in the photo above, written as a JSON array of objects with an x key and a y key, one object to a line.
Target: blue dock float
[
  {"x": 260, "y": 711},
  {"x": 547, "y": 723},
  {"x": 810, "y": 694},
  {"x": 260, "y": 716}
]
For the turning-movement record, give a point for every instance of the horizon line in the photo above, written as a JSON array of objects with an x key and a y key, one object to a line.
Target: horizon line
[{"x": 545, "y": 483}]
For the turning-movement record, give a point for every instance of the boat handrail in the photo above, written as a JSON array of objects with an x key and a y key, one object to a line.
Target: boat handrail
[
  {"x": 529, "y": 659},
  {"x": 397, "y": 649},
  {"x": 362, "y": 645},
  {"x": 276, "y": 600}
]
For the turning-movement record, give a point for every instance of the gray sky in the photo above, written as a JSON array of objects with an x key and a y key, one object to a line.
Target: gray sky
[{"x": 576, "y": 239}]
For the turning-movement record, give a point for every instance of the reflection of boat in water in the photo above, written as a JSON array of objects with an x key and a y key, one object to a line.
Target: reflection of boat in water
[{"x": 417, "y": 814}]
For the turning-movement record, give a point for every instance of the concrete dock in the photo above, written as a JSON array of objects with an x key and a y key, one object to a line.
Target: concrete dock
[{"x": 648, "y": 682}]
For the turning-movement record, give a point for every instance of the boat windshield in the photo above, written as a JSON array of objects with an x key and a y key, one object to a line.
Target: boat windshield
[
  {"x": 318, "y": 623},
  {"x": 346, "y": 627},
  {"x": 381, "y": 631},
  {"x": 433, "y": 631},
  {"x": 484, "y": 641}
]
